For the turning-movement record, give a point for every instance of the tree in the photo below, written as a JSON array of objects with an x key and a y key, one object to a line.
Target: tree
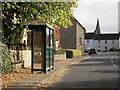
[{"x": 15, "y": 14}]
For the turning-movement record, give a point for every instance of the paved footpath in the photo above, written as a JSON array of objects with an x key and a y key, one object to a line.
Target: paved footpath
[{"x": 44, "y": 80}]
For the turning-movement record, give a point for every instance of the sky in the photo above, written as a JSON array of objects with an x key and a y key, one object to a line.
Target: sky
[{"x": 106, "y": 11}]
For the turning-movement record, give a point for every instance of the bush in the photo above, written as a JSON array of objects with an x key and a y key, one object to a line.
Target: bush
[
  {"x": 5, "y": 62},
  {"x": 71, "y": 53}
]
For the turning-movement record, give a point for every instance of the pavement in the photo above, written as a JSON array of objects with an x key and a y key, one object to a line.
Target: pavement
[{"x": 45, "y": 80}]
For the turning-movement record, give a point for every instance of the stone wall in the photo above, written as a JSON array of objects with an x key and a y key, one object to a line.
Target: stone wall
[
  {"x": 73, "y": 36},
  {"x": 80, "y": 34},
  {"x": 60, "y": 56},
  {"x": 21, "y": 58}
]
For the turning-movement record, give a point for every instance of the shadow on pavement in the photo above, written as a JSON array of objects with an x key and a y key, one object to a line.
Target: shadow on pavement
[{"x": 100, "y": 84}]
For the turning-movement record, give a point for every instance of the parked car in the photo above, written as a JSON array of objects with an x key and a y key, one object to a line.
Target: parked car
[
  {"x": 86, "y": 50},
  {"x": 92, "y": 51}
]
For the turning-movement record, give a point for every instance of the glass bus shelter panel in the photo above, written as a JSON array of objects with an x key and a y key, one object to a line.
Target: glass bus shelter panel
[
  {"x": 47, "y": 49},
  {"x": 51, "y": 38},
  {"x": 38, "y": 50},
  {"x": 51, "y": 58},
  {"x": 52, "y": 48}
]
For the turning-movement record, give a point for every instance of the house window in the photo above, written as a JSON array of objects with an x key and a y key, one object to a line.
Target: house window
[
  {"x": 105, "y": 48},
  {"x": 99, "y": 41},
  {"x": 105, "y": 41},
  {"x": 88, "y": 41},
  {"x": 99, "y": 48},
  {"x": 112, "y": 41},
  {"x": 80, "y": 41}
]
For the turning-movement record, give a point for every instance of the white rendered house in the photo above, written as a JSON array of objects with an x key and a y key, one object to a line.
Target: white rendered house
[
  {"x": 106, "y": 42},
  {"x": 119, "y": 21},
  {"x": 89, "y": 41},
  {"x": 103, "y": 42}
]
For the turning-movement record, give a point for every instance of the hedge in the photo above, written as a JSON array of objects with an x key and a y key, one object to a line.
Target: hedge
[
  {"x": 71, "y": 53},
  {"x": 5, "y": 62}
]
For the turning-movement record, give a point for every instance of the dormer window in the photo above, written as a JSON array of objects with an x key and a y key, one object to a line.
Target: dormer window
[
  {"x": 99, "y": 41},
  {"x": 87, "y": 41},
  {"x": 105, "y": 41}
]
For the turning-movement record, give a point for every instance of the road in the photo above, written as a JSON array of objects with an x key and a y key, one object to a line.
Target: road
[{"x": 99, "y": 71}]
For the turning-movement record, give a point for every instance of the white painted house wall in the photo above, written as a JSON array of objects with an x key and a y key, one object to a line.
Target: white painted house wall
[
  {"x": 106, "y": 46},
  {"x": 119, "y": 42},
  {"x": 119, "y": 21},
  {"x": 89, "y": 43},
  {"x": 102, "y": 45}
]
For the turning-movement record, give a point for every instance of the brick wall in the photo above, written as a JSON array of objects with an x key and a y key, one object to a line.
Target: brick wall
[{"x": 60, "y": 56}]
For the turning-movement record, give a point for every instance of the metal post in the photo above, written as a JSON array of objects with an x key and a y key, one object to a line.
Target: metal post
[
  {"x": 44, "y": 60},
  {"x": 53, "y": 50},
  {"x": 32, "y": 44},
  {"x": 49, "y": 48}
]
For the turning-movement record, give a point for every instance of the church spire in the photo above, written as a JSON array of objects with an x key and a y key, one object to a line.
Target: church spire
[{"x": 97, "y": 30}]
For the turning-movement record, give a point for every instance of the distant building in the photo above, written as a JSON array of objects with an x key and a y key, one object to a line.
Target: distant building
[
  {"x": 97, "y": 30},
  {"x": 100, "y": 41},
  {"x": 73, "y": 36},
  {"x": 106, "y": 42},
  {"x": 119, "y": 21},
  {"x": 89, "y": 40}
]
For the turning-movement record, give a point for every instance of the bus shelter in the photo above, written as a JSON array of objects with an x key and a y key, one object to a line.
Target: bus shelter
[{"x": 41, "y": 40}]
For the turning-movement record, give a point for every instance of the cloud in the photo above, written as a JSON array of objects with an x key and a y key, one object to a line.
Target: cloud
[
  {"x": 99, "y": 0},
  {"x": 88, "y": 12}
]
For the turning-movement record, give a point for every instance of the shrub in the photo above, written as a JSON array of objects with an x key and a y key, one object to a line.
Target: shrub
[
  {"x": 5, "y": 62},
  {"x": 70, "y": 53}
]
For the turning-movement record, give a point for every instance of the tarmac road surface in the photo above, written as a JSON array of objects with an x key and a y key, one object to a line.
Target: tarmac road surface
[{"x": 101, "y": 71}]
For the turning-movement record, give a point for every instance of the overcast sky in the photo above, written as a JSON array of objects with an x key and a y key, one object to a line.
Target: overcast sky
[{"x": 105, "y": 10}]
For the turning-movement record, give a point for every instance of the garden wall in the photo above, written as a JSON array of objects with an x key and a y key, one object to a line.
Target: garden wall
[
  {"x": 60, "y": 56},
  {"x": 20, "y": 58}
]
